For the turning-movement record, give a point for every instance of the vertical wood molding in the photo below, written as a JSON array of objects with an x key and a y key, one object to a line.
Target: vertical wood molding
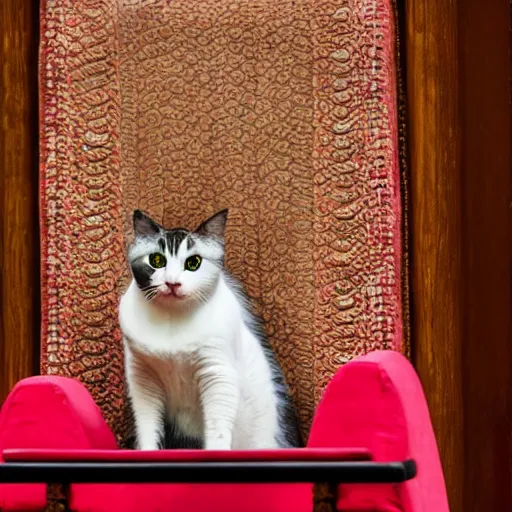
[
  {"x": 458, "y": 88},
  {"x": 436, "y": 210},
  {"x": 484, "y": 41},
  {"x": 19, "y": 233}
]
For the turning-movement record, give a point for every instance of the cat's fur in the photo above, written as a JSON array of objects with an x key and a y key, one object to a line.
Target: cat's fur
[{"x": 199, "y": 369}]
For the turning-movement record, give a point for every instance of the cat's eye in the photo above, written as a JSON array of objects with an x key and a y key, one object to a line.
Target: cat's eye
[
  {"x": 193, "y": 263},
  {"x": 157, "y": 260}
]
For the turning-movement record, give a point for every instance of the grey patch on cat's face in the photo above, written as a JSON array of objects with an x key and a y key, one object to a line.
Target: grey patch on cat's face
[
  {"x": 148, "y": 239},
  {"x": 142, "y": 273}
]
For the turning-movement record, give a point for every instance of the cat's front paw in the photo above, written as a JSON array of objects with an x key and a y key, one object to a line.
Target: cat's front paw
[
  {"x": 147, "y": 445},
  {"x": 218, "y": 442}
]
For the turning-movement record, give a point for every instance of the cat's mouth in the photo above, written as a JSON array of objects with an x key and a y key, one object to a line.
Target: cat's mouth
[{"x": 169, "y": 293}]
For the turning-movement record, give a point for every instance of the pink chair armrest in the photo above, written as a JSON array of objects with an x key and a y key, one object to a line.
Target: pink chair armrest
[
  {"x": 53, "y": 412},
  {"x": 48, "y": 412},
  {"x": 377, "y": 401}
]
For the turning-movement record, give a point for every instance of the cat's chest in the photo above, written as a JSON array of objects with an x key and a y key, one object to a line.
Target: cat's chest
[
  {"x": 164, "y": 336},
  {"x": 170, "y": 337},
  {"x": 178, "y": 377}
]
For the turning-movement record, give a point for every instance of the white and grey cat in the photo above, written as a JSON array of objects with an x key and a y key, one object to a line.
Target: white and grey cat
[{"x": 199, "y": 369}]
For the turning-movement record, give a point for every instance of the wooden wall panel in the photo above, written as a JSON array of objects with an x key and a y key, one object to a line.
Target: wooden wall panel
[
  {"x": 484, "y": 39},
  {"x": 458, "y": 88},
  {"x": 19, "y": 237},
  {"x": 436, "y": 209}
]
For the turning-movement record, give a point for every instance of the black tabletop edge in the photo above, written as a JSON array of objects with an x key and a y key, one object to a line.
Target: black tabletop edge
[{"x": 207, "y": 472}]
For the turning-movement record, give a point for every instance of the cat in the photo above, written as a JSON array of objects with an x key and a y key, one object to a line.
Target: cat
[{"x": 200, "y": 372}]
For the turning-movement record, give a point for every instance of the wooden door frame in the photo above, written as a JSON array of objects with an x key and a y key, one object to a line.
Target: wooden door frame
[
  {"x": 19, "y": 192},
  {"x": 458, "y": 90}
]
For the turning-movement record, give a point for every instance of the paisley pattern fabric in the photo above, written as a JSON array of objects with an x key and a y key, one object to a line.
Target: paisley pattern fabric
[{"x": 284, "y": 111}]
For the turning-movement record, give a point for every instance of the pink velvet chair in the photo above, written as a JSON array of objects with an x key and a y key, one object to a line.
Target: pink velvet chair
[{"x": 373, "y": 408}]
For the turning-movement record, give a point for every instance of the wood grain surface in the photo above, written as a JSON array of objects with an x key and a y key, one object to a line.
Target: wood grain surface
[
  {"x": 458, "y": 79},
  {"x": 484, "y": 41},
  {"x": 19, "y": 235},
  {"x": 436, "y": 258}
]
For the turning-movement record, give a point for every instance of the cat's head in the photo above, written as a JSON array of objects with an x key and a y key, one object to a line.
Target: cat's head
[{"x": 175, "y": 267}]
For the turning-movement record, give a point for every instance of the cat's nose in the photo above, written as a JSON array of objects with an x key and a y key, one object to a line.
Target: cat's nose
[{"x": 174, "y": 287}]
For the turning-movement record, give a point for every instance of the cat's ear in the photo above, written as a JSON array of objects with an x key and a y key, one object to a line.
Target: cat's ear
[
  {"x": 143, "y": 225},
  {"x": 215, "y": 226}
]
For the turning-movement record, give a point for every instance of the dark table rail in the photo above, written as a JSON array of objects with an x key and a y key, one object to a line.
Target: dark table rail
[{"x": 206, "y": 472}]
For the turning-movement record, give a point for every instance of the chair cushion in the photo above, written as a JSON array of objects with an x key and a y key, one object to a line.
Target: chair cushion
[{"x": 192, "y": 498}]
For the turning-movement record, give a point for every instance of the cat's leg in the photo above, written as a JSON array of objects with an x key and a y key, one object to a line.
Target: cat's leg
[
  {"x": 148, "y": 402},
  {"x": 217, "y": 380},
  {"x": 258, "y": 418}
]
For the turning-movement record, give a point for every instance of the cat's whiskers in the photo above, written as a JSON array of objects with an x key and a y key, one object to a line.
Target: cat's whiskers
[
  {"x": 200, "y": 296},
  {"x": 151, "y": 294},
  {"x": 149, "y": 287}
]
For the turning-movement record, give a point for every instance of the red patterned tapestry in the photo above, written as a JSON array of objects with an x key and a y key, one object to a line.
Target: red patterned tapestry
[{"x": 284, "y": 111}]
